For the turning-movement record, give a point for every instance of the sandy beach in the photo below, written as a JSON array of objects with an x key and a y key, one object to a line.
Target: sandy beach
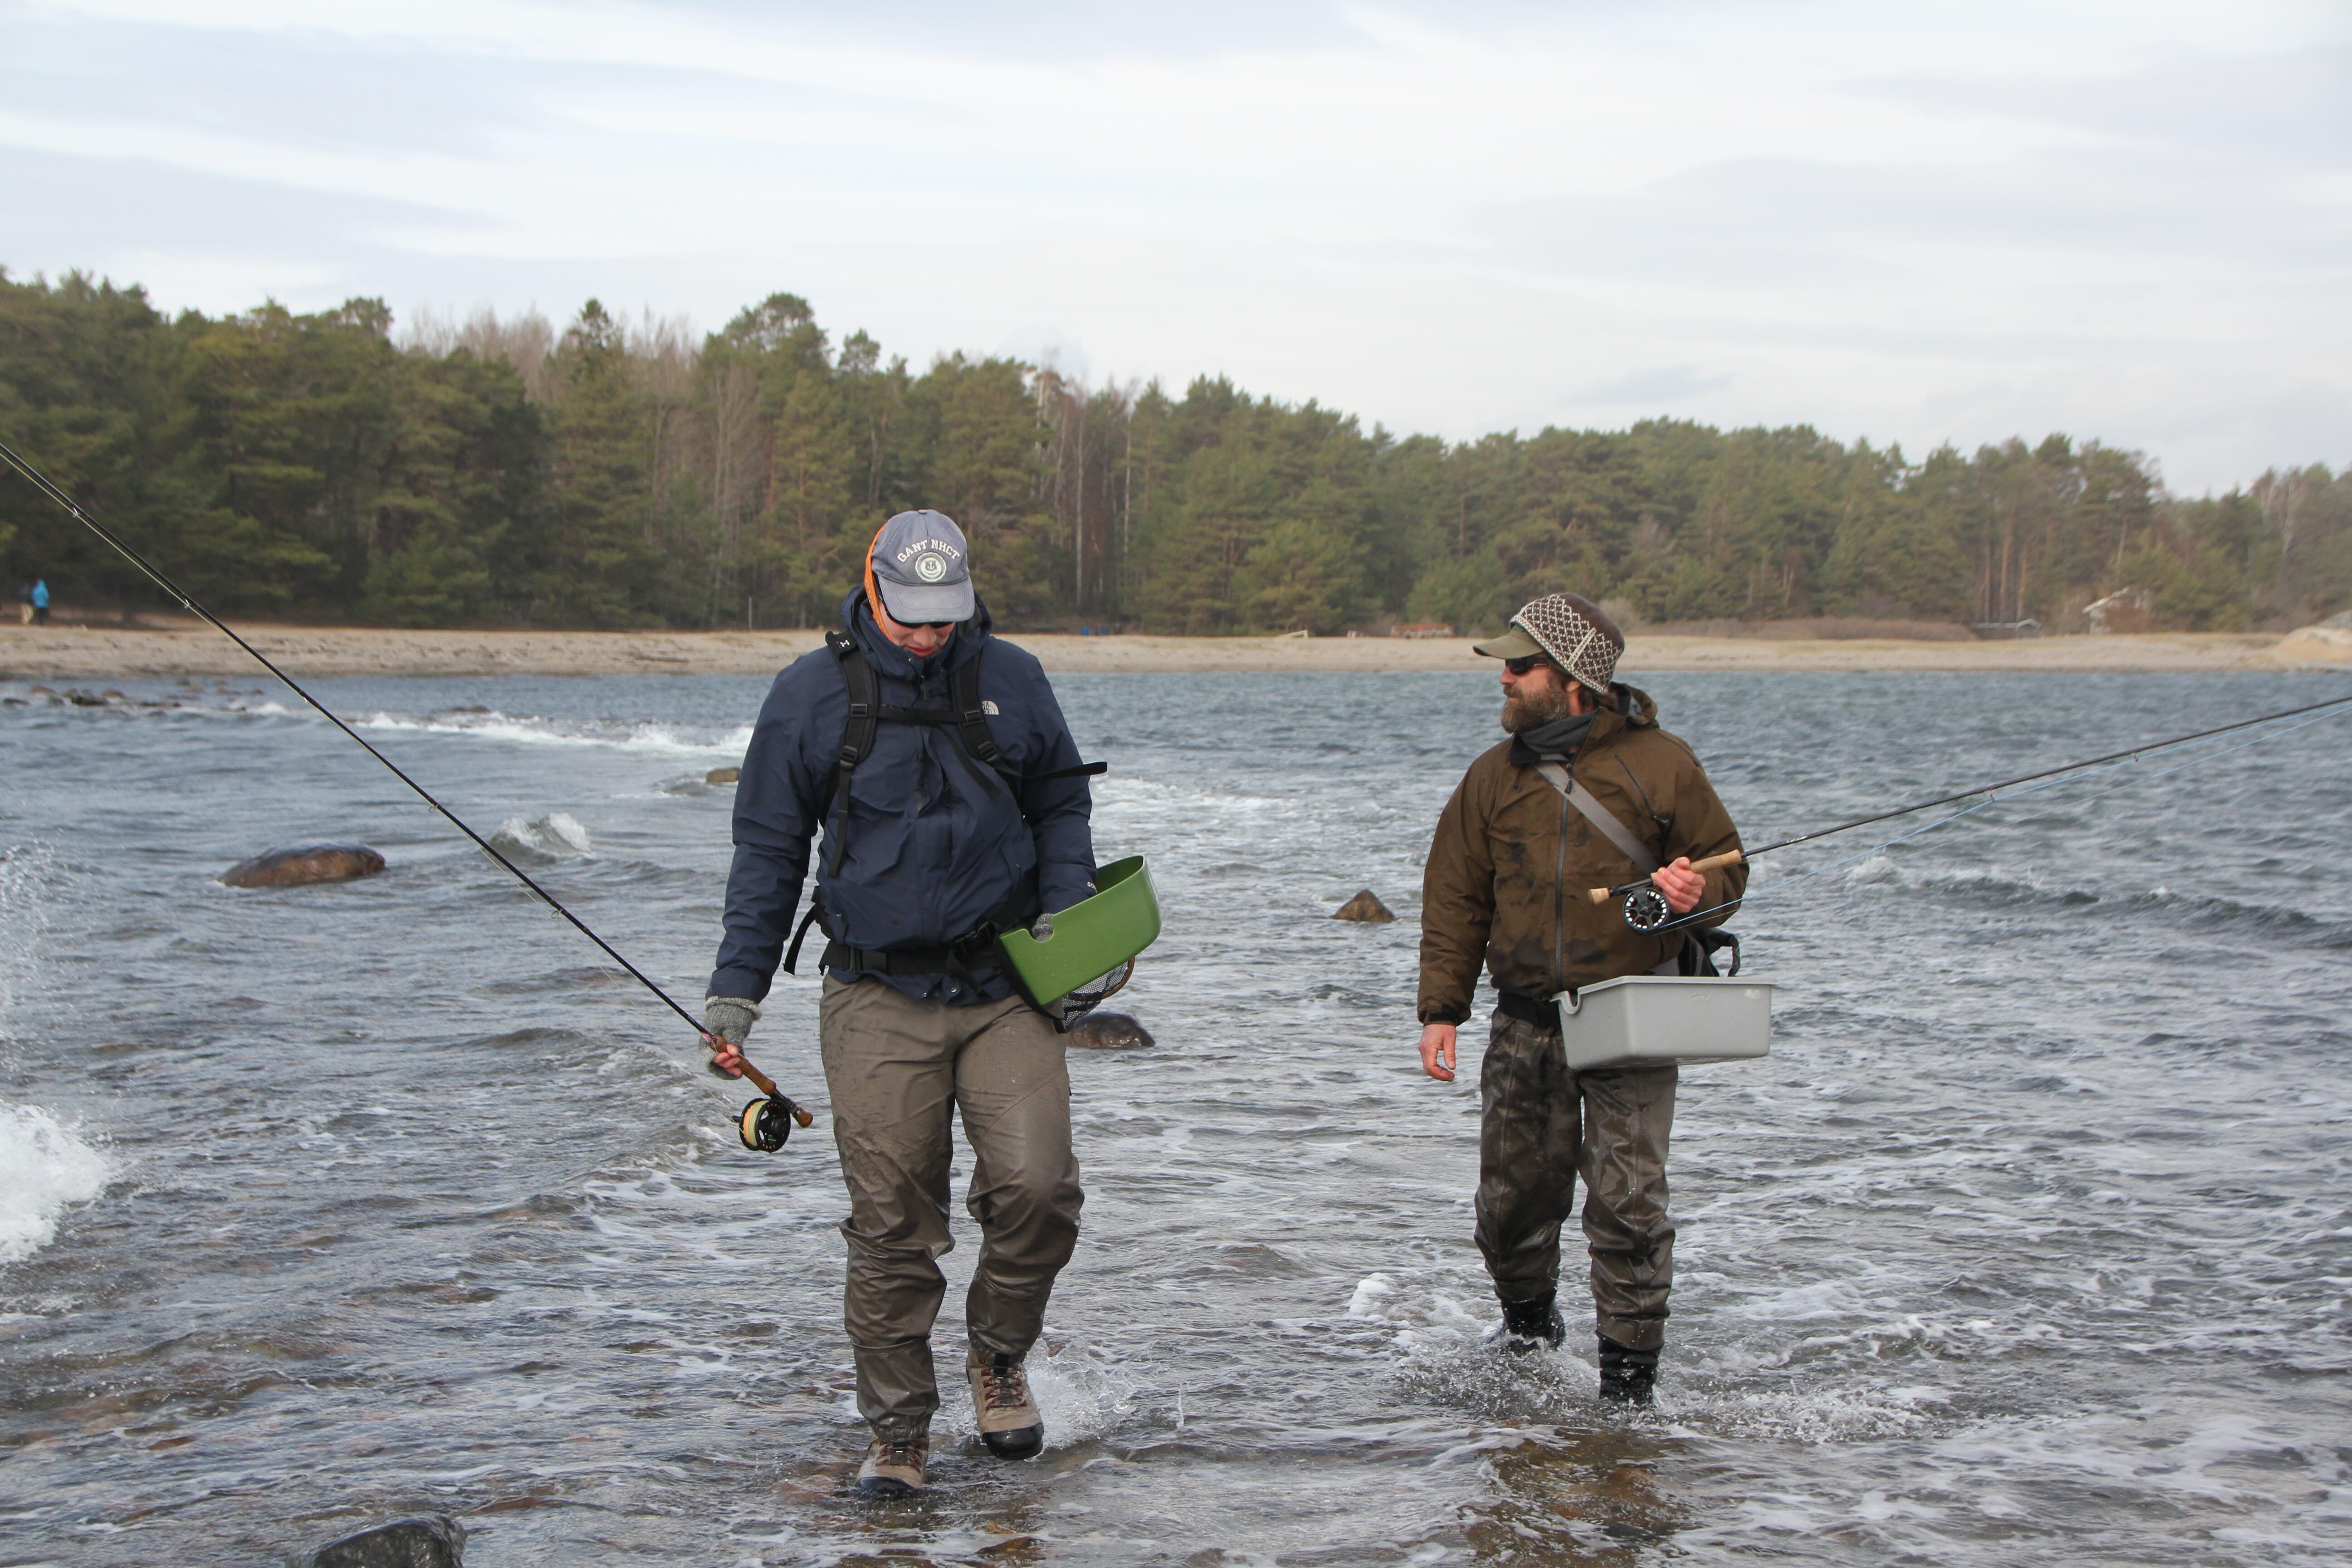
[{"x": 102, "y": 652}]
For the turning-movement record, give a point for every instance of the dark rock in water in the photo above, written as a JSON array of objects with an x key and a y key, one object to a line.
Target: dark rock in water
[
  {"x": 304, "y": 864},
  {"x": 434, "y": 1542},
  {"x": 1363, "y": 907},
  {"x": 722, "y": 776},
  {"x": 81, "y": 699},
  {"x": 1111, "y": 1032}
]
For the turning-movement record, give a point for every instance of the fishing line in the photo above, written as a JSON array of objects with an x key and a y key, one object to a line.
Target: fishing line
[
  {"x": 74, "y": 509},
  {"x": 2132, "y": 754},
  {"x": 2051, "y": 779}
]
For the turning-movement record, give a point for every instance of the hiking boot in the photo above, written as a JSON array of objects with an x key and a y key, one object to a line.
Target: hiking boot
[
  {"x": 1532, "y": 1326},
  {"x": 1002, "y": 1409},
  {"x": 893, "y": 1467},
  {"x": 1628, "y": 1376}
]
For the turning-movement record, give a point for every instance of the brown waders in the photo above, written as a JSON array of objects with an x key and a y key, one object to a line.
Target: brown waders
[
  {"x": 1540, "y": 1127},
  {"x": 898, "y": 1069}
]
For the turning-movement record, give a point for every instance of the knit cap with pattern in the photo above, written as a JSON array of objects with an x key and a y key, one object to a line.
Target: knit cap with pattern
[{"x": 1576, "y": 633}]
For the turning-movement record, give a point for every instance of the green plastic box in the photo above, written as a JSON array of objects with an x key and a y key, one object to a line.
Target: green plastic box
[{"x": 1091, "y": 938}]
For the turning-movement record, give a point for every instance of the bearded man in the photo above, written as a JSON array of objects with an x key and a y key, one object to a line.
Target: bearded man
[{"x": 1588, "y": 792}]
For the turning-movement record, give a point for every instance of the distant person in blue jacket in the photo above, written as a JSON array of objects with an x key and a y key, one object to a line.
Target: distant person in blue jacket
[
  {"x": 948, "y": 829},
  {"x": 40, "y": 602}
]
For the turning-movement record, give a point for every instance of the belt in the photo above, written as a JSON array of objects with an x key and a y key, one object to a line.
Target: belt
[
  {"x": 976, "y": 950},
  {"x": 960, "y": 959},
  {"x": 1535, "y": 1010}
]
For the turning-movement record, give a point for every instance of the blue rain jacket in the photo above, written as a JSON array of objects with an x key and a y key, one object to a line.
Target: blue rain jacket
[{"x": 930, "y": 855}]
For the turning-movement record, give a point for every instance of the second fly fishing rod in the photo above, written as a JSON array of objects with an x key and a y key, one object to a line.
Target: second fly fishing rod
[
  {"x": 765, "y": 1124},
  {"x": 1646, "y": 908}
]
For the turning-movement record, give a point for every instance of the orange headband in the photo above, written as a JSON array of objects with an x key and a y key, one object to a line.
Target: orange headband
[{"x": 873, "y": 589}]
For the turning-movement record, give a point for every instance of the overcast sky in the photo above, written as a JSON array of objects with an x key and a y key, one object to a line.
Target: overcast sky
[{"x": 2127, "y": 221}]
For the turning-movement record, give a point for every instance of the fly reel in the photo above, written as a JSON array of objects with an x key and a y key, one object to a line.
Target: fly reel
[
  {"x": 765, "y": 1124},
  {"x": 1646, "y": 908}
]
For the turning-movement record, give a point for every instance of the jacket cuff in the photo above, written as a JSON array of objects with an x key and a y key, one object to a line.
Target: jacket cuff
[
  {"x": 739, "y": 984},
  {"x": 1437, "y": 1014}
]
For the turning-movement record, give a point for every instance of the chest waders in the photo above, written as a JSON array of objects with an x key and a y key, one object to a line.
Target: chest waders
[{"x": 1114, "y": 925}]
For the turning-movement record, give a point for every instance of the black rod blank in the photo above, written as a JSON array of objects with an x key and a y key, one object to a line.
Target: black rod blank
[{"x": 2048, "y": 774}]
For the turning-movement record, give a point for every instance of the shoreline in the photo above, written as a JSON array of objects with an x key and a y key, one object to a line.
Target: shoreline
[{"x": 66, "y": 652}]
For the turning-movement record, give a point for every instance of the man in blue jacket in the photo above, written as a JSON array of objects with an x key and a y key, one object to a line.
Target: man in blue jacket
[{"x": 951, "y": 810}]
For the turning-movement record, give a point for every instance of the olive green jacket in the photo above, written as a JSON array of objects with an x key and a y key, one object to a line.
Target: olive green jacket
[{"x": 1508, "y": 869}]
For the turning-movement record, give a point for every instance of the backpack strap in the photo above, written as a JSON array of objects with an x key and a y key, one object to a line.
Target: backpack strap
[
  {"x": 857, "y": 733},
  {"x": 814, "y": 918},
  {"x": 971, "y": 717}
]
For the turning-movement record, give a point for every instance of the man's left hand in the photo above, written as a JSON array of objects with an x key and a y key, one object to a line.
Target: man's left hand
[{"x": 1682, "y": 886}]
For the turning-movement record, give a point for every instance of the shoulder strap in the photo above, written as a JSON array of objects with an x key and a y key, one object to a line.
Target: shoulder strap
[
  {"x": 1600, "y": 817},
  {"x": 856, "y": 737},
  {"x": 971, "y": 717}
]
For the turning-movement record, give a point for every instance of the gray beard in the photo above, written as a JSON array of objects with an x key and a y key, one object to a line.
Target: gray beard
[{"x": 1521, "y": 714}]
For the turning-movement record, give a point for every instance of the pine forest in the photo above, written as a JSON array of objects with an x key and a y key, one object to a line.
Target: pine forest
[{"x": 617, "y": 473}]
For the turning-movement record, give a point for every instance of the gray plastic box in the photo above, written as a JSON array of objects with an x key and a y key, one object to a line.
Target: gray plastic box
[{"x": 1652, "y": 1019}]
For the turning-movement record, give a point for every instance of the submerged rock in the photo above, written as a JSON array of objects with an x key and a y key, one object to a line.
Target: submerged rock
[
  {"x": 304, "y": 864},
  {"x": 434, "y": 1542},
  {"x": 1111, "y": 1032},
  {"x": 722, "y": 776},
  {"x": 1363, "y": 907}
]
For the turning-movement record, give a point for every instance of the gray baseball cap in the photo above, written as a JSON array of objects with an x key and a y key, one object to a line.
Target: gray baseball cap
[{"x": 922, "y": 568}]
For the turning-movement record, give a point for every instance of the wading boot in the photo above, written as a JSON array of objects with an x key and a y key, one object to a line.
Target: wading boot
[
  {"x": 893, "y": 1467},
  {"x": 1532, "y": 1326},
  {"x": 1628, "y": 1376},
  {"x": 1001, "y": 1406}
]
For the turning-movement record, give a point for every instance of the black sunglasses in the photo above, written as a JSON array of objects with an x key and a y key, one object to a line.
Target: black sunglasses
[{"x": 1522, "y": 665}]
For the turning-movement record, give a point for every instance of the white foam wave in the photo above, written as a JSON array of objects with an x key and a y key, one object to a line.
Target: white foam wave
[
  {"x": 645, "y": 737},
  {"x": 44, "y": 1168},
  {"x": 558, "y": 833}
]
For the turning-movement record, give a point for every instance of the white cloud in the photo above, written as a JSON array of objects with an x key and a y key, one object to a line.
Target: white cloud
[{"x": 1918, "y": 224}]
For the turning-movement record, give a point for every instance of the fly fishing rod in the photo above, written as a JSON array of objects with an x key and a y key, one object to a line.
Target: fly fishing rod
[
  {"x": 765, "y": 1124},
  {"x": 1645, "y": 907}
]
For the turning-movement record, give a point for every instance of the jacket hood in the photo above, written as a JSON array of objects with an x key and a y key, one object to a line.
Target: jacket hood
[
  {"x": 1638, "y": 711},
  {"x": 889, "y": 659},
  {"x": 1634, "y": 710}
]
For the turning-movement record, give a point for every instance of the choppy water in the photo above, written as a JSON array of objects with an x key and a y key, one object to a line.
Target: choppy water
[{"x": 2029, "y": 1244}]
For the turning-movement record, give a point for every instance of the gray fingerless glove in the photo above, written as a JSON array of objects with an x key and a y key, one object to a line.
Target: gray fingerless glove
[{"x": 729, "y": 1018}]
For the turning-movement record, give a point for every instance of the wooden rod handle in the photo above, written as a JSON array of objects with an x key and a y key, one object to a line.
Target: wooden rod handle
[
  {"x": 767, "y": 1086},
  {"x": 1729, "y": 858}
]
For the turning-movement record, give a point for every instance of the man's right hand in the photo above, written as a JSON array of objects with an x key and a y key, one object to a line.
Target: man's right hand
[
  {"x": 726, "y": 1024},
  {"x": 1437, "y": 1051},
  {"x": 725, "y": 1059}
]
